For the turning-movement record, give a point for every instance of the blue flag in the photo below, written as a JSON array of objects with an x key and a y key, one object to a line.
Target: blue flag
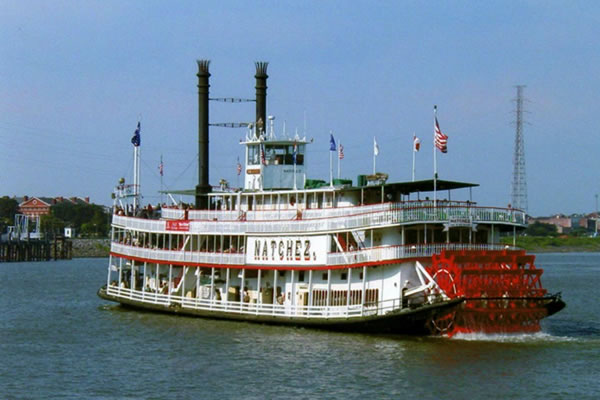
[
  {"x": 331, "y": 143},
  {"x": 136, "y": 139}
]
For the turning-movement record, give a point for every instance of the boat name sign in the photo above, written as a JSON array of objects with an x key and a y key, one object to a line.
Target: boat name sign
[
  {"x": 178, "y": 225},
  {"x": 288, "y": 250}
]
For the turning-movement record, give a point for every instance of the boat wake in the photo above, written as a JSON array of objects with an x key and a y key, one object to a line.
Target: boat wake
[{"x": 538, "y": 337}]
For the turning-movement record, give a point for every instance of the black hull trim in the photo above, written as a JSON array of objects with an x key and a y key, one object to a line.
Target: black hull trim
[{"x": 409, "y": 321}]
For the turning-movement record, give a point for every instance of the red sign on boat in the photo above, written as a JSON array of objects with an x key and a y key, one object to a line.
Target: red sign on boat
[{"x": 178, "y": 225}]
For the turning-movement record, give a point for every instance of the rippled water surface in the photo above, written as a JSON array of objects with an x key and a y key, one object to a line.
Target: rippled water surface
[{"x": 60, "y": 341}]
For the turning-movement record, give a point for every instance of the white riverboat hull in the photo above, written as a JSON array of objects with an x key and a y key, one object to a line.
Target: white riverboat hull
[{"x": 417, "y": 320}]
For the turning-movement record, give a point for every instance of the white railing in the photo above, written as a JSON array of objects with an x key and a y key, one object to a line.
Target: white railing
[
  {"x": 139, "y": 224},
  {"x": 216, "y": 215},
  {"x": 339, "y": 219},
  {"x": 259, "y": 309},
  {"x": 377, "y": 254},
  {"x": 384, "y": 253},
  {"x": 174, "y": 256}
]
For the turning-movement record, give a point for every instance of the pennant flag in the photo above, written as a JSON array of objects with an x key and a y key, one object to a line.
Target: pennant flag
[
  {"x": 416, "y": 143},
  {"x": 239, "y": 167},
  {"x": 375, "y": 147},
  {"x": 262, "y": 154},
  {"x": 441, "y": 140},
  {"x": 136, "y": 139},
  {"x": 341, "y": 152},
  {"x": 331, "y": 143}
]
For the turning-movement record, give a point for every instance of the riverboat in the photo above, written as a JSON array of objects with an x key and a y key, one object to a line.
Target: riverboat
[{"x": 368, "y": 257}]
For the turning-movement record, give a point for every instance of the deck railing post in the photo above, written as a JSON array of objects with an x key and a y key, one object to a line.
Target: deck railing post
[
  {"x": 348, "y": 291},
  {"x": 275, "y": 289},
  {"x": 310, "y": 294}
]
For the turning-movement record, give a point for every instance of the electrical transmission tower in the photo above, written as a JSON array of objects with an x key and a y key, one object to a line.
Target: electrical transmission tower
[{"x": 519, "y": 180}]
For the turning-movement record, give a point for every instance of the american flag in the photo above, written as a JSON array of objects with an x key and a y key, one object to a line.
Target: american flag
[
  {"x": 341, "y": 152},
  {"x": 441, "y": 140},
  {"x": 161, "y": 168},
  {"x": 239, "y": 167}
]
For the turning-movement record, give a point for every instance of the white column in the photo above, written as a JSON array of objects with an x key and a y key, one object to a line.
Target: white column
[
  {"x": 212, "y": 286},
  {"x": 109, "y": 272},
  {"x": 401, "y": 294},
  {"x": 310, "y": 294},
  {"x": 364, "y": 288},
  {"x": 156, "y": 282},
  {"x": 132, "y": 279},
  {"x": 292, "y": 291},
  {"x": 120, "y": 274},
  {"x": 328, "y": 289},
  {"x": 348, "y": 290},
  {"x": 183, "y": 274},
  {"x": 275, "y": 290},
  {"x": 227, "y": 285},
  {"x": 198, "y": 271},
  {"x": 242, "y": 288},
  {"x": 145, "y": 280},
  {"x": 170, "y": 281},
  {"x": 258, "y": 296}
]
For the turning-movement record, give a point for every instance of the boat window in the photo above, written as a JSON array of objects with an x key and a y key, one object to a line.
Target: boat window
[
  {"x": 253, "y": 154},
  {"x": 283, "y": 155}
]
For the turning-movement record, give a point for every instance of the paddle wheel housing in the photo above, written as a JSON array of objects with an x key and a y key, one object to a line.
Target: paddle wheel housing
[{"x": 502, "y": 290}]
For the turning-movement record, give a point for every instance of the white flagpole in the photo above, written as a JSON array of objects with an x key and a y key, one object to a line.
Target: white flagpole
[
  {"x": 339, "y": 160},
  {"x": 374, "y": 154},
  {"x": 161, "y": 179},
  {"x": 330, "y": 160},
  {"x": 434, "y": 159},
  {"x": 413, "y": 151},
  {"x": 135, "y": 177},
  {"x": 295, "y": 160}
]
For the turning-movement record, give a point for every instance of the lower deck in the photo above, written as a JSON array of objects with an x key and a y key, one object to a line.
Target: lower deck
[{"x": 324, "y": 293}]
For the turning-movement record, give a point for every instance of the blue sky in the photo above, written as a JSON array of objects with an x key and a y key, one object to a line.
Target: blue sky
[{"x": 75, "y": 76}]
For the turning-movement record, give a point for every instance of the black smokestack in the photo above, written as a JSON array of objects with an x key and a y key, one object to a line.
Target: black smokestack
[
  {"x": 261, "y": 94},
  {"x": 203, "y": 186}
]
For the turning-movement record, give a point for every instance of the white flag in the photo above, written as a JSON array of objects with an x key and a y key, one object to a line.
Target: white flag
[
  {"x": 375, "y": 147},
  {"x": 416, "y": 143}
]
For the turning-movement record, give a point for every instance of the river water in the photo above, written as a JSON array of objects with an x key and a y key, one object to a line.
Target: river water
[{"x": 60, "y": 341}]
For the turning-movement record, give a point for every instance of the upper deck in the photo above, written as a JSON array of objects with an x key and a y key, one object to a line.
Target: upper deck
[{"x": 307, "y": 221}]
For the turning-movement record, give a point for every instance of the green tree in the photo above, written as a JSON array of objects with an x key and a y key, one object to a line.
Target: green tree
[
  {"x": 540, "y": 229},
  {"x": 51, "y": 226},
  {"x": 8, "y": 209},
  {"x": 79, "y": 216}
]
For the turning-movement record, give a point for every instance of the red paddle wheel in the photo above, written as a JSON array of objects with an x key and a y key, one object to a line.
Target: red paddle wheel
[{"x": 502, "y": 291}]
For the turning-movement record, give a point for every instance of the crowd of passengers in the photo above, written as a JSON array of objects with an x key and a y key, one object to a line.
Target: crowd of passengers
[
  {"x": 177, "y": 242},
  {"x": 148, "y": 212}
]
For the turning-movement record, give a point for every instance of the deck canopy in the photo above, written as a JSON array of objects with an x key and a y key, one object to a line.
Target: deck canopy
[
  {"x": 397, "y": 187},
  {"x": 427, "y": 186}
]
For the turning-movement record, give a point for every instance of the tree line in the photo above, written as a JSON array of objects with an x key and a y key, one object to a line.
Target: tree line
[{"x": 88, "y": 220}]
